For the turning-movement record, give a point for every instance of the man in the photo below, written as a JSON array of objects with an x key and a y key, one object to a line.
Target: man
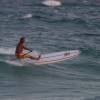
[{"x": 20, "y": 48}]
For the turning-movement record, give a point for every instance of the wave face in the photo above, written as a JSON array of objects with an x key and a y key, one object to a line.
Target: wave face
[{"x": 75, "y": 25}]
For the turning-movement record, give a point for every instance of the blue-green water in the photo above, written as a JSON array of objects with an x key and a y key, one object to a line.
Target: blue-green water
[{"x": 75, "y": 25}]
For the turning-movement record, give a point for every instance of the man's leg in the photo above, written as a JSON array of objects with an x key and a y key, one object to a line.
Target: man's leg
[{"x": 31, "y": 57}]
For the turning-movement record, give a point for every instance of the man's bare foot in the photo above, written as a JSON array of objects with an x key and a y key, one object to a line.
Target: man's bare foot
[
  {"x": 66, "y": 54},
  {"x": 38, "y": 57}
]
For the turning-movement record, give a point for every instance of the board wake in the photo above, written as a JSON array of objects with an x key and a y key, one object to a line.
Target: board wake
[{"x": 15, "y": 63}]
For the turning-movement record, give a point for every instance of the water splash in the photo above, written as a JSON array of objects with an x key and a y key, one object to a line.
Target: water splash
[
  {"x": 52, "y": 3},
  {"x": 26, "y": 16}
]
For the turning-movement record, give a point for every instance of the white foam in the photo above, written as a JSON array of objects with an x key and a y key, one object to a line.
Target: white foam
[
  {"x": 27, "y": 16},
  {"x": 85, "y": 1},
  {"x": 7, "y": 51},
  {"x": 51, "y": 3}
]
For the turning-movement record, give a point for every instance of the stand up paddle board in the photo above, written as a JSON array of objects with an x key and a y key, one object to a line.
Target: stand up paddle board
[{"x": 54, "y": 57}]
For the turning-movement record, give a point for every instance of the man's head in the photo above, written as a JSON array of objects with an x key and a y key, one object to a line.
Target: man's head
[{"x": 22, "y": 39}]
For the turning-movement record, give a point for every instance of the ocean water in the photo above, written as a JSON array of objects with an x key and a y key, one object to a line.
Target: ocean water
[{"x": 75, "y": 25}]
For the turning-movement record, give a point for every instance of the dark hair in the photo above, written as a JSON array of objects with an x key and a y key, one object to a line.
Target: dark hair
[{"x": 22, "y": 39}]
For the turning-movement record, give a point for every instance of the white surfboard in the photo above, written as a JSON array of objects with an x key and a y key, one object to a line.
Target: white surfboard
[{"x": 54, "y": 57}]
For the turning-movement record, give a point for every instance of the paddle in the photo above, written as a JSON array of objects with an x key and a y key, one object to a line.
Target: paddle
[{"x": 28, "y": 52}]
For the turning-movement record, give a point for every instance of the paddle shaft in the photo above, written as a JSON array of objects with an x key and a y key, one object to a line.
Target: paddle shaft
[{"x": 28, "y": 52}]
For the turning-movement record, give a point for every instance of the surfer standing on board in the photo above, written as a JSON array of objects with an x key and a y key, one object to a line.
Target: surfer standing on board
[{"x": 20, "y": 48}]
